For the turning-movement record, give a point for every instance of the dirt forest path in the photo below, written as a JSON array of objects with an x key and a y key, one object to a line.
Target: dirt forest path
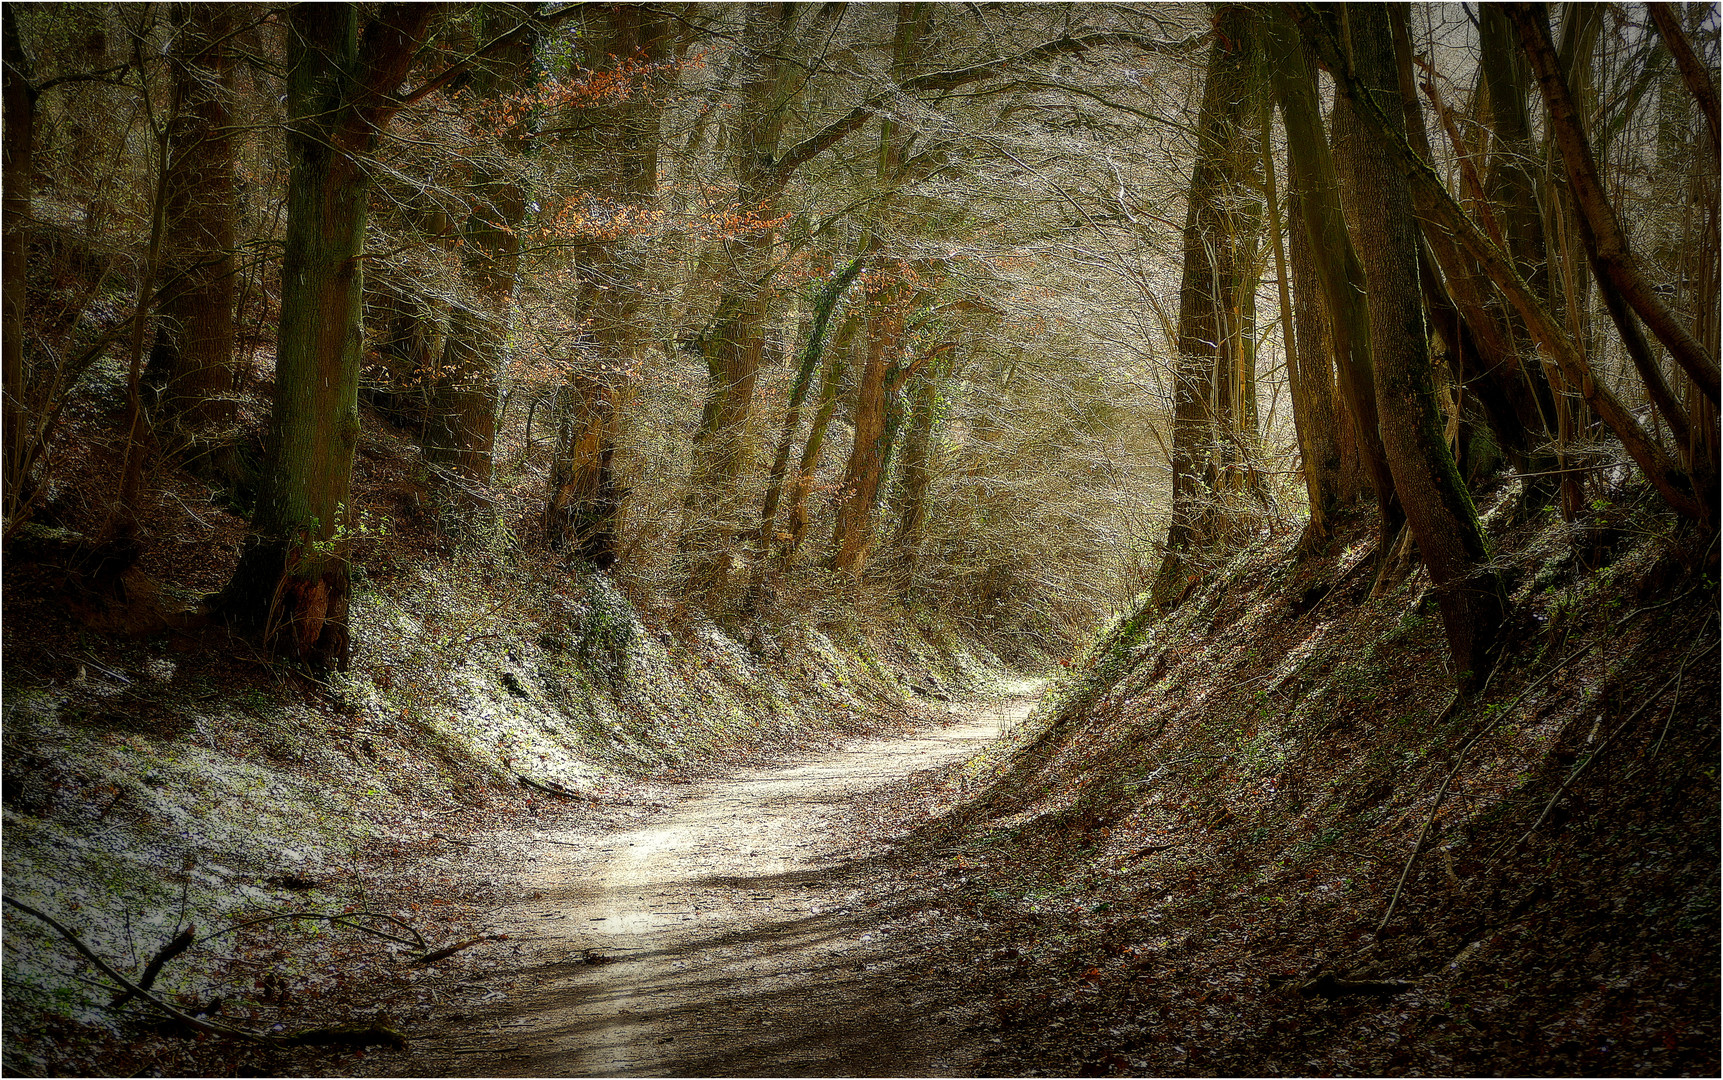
[{"x": 724, "y": 936}]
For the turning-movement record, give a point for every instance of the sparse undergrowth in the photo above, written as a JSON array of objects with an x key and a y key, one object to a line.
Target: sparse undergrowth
[{"x": 1216, "y": 809}]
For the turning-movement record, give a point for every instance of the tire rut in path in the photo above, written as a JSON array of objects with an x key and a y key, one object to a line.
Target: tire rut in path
[{"x": 725, "y": 937}]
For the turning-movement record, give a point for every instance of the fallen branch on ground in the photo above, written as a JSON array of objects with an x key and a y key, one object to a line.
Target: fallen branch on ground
[
  {"x": 341, "y": 919},
  {"x": 181, "y": 942},
  {"x": 449, "y": 950},
  {"x": 138, "y": 991},
  {"x": 548, "y": 789}
]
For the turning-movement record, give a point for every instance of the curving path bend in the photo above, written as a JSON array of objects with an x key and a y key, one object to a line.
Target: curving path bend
[{"x": 725, "y": 937}]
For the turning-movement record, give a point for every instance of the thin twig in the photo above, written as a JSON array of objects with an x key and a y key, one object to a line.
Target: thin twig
[
  {"x": 341, "y": 919},
  {"x": 1484, "y": 726},
  {"x": 134, "y": 989},
  {"x": 1678, "y": 673}
]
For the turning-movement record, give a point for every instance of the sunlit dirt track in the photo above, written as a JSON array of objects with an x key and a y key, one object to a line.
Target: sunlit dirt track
[{"x": 724, "y": 936}]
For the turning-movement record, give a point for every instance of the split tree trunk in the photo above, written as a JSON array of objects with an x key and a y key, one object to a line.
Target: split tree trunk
[{"x": 796, "y": 517}]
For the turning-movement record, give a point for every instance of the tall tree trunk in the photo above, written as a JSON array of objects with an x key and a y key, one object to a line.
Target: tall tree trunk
[
  {"x": 585, "y": 501},
  {"x": 1515, "y": 396},
  {"x": 461, "y": 430},
  {"x": 801, "y": 484},
  {"x": 1312, "y": 415},
  {"x": 1434, "y": 496},
  {"x": 192, "y": 363},
  {"x": 852, "y": 537},
  {"x": 771, "y": 543},
  {"x": 1445, "y": 214},
  {"x": 734, "y": 341},
  {"x": 1314, "y": 176},
  {"x": 292, "y": 582},
  {"x": 17, "y": 144},
  {"x": 852, "y": 534},
  {"x": 1208, "y": 286},
  {"x": 1340, "y": 467},
  {"x": 915, "y": 473}
]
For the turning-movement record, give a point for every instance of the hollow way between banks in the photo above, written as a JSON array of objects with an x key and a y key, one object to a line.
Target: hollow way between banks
[{"x": 724, "y": 936}]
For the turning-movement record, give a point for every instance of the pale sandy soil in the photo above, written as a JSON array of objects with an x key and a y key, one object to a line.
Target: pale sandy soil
[{"x": 736, "y": 931}]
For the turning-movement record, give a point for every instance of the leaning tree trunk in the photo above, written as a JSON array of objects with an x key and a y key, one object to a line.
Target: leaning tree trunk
[
  {"x": 1434, "y": 496},
  {"x": 192, "y": 363},
  {"x": 292, "y": 582},
  {"x": 772, "y": 542},
  {"x": 1445, "y": 214},
  {"x": 801, "y": 483},
  {"x": 1600, "y": 228},
  {"x": 1514, "y": 394}
]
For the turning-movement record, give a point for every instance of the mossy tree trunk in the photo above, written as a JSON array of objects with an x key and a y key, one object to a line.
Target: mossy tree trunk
[
  {"x": 852, "y": 533},
  {"x": 773, "y": 541},
  {"x": 292, "y": 583},
  {"x": 801, "y": 483}
]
